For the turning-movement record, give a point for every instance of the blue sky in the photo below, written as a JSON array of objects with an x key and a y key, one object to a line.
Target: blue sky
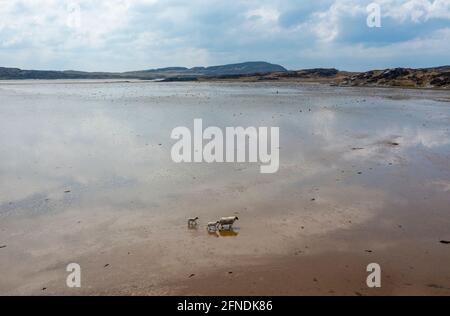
[{"x": 121, "y": 35}]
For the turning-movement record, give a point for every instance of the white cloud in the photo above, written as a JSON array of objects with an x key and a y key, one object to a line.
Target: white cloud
[
  {"x": 133, "y": 34},
  {"x": 328, "y": 23},
  {"x": 416, "y": 10}
]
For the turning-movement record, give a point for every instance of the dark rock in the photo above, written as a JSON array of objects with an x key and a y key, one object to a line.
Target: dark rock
[
  {"x": 179, "y": 78},
  {"x": 311, "y": 73},
  {"x": 394, "y": 73}
]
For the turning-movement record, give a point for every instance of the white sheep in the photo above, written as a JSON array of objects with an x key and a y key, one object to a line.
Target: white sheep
[
  {"x": 228, "y": 221},
  {"x": 192, "y": 222},
  {"x": 212, "y": 226}
]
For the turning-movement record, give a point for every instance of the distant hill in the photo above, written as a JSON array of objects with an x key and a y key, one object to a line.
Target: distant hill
[
  {"x": 174, "y": 73},
  {"x": 247, "y": 68},
  {"x": 17, "y": 74},
  {"x": 242, "y": 69}
]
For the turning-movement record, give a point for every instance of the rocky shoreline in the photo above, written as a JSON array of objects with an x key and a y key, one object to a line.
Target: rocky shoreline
[{"x": 434, "y": 78}]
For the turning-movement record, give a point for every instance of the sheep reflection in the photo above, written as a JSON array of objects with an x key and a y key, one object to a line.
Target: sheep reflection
[
  {"x": 228, "y": 233},
  {"x": 222, "y": 233}
]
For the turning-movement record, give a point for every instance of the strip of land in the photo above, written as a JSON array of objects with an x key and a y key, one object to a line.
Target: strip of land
[{"x": 434, "y": 78}]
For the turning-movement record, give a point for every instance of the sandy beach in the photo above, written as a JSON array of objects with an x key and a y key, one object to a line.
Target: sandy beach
[{"x": 86, "y": 177}]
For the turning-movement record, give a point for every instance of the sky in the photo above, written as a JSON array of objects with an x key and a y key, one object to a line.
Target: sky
[{"x": 125, "y": 35}]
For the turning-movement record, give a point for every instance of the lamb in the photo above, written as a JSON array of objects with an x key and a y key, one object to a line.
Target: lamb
[
  {"x": 192, "y": 222},
  {"x": 228, "y": 221},
  {"x": 212, "y": 226}
]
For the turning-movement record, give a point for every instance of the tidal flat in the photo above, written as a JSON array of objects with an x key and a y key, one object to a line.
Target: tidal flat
[{"x": 86, "y": 177}]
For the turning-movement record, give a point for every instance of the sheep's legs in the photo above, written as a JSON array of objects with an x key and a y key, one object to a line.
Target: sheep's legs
[{"x": 226, "y": 227}]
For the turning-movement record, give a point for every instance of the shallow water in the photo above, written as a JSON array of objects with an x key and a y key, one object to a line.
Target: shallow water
[{"x": 343, "y": 182}]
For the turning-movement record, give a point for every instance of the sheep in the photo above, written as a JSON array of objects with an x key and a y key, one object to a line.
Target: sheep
[
  {"x": 212, "y": 226},
  {"x": 228, "y": 221},
  {"x": 192, "y": 222}
]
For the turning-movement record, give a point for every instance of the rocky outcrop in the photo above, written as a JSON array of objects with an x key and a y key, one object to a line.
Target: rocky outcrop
[
  {"x": 312, "y": 73},
  {"x": 402, "y": 77}
]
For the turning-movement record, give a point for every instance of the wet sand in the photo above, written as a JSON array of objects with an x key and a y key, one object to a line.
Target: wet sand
[{"x": 86, "y": 177}]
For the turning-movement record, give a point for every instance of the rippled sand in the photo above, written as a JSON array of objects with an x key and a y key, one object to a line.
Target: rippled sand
[{"x": 86, "y": 176}]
